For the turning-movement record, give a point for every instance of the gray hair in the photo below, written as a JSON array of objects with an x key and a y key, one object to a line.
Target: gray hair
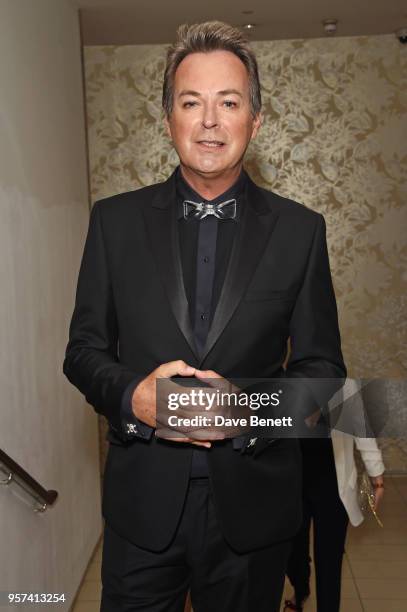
[{"x": 204, "y": 38}]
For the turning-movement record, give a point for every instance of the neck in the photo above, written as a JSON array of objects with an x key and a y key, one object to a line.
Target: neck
[{"x": 210, "y": 187}]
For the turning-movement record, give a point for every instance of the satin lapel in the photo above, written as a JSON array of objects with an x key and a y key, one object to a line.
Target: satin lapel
[
  {"x": 163, "y": 231},
  {"x": 255, "y": 228}
]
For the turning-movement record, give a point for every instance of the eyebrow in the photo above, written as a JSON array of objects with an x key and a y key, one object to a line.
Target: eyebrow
[{"x": 223, "y": 92}]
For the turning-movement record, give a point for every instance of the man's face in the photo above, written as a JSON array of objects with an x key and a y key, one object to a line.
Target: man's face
[{"x": 211, "y": 123}]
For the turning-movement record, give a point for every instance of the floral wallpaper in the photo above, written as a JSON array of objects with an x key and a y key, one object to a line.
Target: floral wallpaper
[{"x": 333, "y": 137}]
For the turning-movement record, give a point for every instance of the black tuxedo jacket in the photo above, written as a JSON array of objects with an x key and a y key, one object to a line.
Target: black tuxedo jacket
[{"x": 131, "y": 315}]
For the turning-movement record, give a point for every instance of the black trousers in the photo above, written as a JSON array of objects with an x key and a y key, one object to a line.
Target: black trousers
[
  {"x": 198, "y": 559},
  {"x": 323, "y": 506}
]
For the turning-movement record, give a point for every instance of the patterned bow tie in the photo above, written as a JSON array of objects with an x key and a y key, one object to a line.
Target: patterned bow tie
[{"x": 200, "y": 210}]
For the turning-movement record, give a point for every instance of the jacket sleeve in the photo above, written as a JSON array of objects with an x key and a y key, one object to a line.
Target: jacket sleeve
[
  {"x": 371, "y": 456},
  {"x": 91, "y": 360},
  {"x": 316, "y": 355},
  {"x": 314, "y": 330},
  {"x": 315, "y": 369}
]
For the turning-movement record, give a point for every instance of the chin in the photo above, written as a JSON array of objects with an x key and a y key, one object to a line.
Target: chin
[
  {"x": 209, "y": 167},
  {"x": 211, "y": 171}
]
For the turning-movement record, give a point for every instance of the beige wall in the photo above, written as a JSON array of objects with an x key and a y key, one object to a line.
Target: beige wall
[
  {"x": 333, "y": 137},
  {"x": 45, "y": 424}
]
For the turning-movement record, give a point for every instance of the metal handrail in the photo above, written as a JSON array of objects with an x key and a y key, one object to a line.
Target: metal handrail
[{"x": 15, "y": 473}]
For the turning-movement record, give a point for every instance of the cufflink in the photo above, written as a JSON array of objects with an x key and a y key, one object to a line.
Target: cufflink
[
  {"x": 131, "y": 428},
  {"x": 249, "y": 447}
]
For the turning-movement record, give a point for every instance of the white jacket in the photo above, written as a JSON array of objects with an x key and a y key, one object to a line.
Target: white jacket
[{"x": 343, "y": 448}]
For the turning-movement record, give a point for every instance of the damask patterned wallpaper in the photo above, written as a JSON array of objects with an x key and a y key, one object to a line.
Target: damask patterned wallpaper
[{"x": 334, "y": 138}]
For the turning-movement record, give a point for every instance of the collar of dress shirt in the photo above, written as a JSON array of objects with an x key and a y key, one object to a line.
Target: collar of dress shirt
[{"x": 186, "y": 192}]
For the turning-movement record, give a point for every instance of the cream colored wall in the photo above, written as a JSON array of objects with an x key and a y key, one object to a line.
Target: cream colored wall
[
  {"x": 45, "y": 424},
  {"x": 334, "y": 137}
]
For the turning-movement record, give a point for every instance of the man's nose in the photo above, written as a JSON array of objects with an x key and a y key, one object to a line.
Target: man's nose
[{"x": 209, "y": 119}]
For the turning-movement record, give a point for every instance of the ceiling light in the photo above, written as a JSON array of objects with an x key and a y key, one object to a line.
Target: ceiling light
[{"x": 330, "y": 26}]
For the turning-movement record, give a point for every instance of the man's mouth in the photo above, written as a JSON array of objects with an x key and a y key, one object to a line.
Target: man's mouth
[{"x": 213, "y": 144}]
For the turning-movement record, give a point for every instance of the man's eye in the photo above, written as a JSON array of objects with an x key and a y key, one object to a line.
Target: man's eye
[
  {"x": 229, "y": 103},
  {"x": 189, "y": 104}
]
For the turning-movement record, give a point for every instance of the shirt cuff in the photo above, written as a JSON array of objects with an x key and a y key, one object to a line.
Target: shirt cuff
[{"x": 132, "y": 426}]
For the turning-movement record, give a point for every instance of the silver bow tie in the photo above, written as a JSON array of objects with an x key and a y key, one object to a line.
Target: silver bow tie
[{"x": 200, "y": 210}]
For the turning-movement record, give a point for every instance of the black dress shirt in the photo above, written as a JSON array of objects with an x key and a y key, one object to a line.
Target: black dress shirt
[{"x": 205, "y": 246}]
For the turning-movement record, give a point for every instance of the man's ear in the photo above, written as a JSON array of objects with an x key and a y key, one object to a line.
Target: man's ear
[
  {"x": 257, "y": 121},
  {"x": 167, "y": 126}
]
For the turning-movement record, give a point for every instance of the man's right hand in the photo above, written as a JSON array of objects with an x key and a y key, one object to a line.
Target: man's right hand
[{"x": 144, "y": 399}]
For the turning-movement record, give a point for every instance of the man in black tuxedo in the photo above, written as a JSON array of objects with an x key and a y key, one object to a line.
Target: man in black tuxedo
[{"x": 205, "y": 275}]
